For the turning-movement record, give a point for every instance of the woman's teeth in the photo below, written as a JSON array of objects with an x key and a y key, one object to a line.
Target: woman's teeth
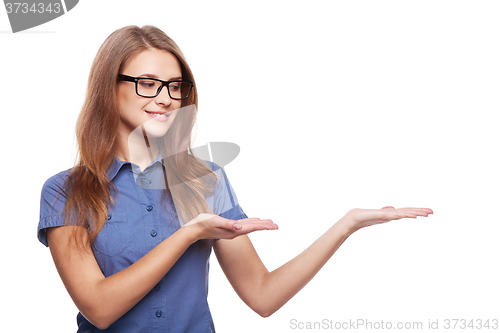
[{"x": 159, "y": 114}]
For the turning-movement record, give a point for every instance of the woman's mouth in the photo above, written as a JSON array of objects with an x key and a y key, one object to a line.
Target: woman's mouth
[{"x": 160, "y": 116}]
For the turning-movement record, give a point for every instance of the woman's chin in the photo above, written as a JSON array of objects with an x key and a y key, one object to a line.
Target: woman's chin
[
  {"x": 155, "y": 128},
  {"x": 148, "y": 131}
]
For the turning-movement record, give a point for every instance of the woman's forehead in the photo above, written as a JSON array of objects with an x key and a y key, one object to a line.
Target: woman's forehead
[{"x": 153, "y": 62}]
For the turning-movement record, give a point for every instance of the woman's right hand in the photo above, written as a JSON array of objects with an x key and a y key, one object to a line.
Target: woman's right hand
[
  {"x": 210, "y": 226},
  {"x": 357, "y": 218}
]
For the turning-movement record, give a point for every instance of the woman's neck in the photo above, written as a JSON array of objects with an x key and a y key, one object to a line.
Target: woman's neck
[{"x": 137, "y": 148}]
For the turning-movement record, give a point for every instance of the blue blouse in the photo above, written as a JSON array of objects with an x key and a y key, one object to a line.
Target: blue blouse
[{"x": 141, "y": 218}]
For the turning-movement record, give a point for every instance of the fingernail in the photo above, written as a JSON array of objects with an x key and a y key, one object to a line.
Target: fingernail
[{"x": 237, "y": 226}]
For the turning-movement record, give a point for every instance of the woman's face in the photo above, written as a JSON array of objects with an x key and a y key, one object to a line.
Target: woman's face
[{"x": 157, "y": 113}]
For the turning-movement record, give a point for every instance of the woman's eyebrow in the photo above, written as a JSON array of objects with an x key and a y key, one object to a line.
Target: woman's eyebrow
[{"x": 154, "y": 76}]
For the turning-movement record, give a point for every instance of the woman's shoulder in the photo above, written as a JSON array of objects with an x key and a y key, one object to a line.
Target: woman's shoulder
[
  {"x": 52, "y": 202},
  {"x": 214, "y": 166},
  {"x": 58, "y": 178},
  {"x": 210, "y": 164},
  {"x": 56, "y": 183},
  {"x": 218, "y": 171}
]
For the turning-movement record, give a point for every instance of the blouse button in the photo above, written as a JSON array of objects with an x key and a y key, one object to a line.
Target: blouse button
[
  {"x": 149, "y": 208},
  {"x": 153, "y": 233},
  {"x": 109, "y": 217},
  {"x": 158, "y": 314},
  {"x": 157, "y": 287}
]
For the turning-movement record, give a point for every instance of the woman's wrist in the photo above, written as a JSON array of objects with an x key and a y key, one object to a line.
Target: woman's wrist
[
  {"x": 191, "y": 234},
  {"x": 346, "y": 225}
]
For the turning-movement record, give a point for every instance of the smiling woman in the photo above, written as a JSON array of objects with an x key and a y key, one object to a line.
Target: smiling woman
[
  {"x": 132, "y": 225},
  {"x": 136, "y": 109}
]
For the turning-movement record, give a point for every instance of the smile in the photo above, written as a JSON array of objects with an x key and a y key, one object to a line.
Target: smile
[{"x": 160, "y": 116}]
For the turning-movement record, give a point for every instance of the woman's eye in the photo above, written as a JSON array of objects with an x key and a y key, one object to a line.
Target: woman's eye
[
  {"x": 175, "y": 86},
  {"x": 147, "y": 83}
]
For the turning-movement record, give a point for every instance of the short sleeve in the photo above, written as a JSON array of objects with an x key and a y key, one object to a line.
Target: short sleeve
[
  {"x": 224, "y": 201},
  {"x": 52, "y": 201}
]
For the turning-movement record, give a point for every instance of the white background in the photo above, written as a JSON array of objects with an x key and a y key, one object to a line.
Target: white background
[{"x": 335, "y": 105}]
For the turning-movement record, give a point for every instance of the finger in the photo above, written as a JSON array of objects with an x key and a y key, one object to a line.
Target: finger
[
  {"x": 426, "y": 210},
  {"x": 257, "y": 221},
  {"x": 399, "y": 217},
  {"x": 418, "y": 212},
  {"x": 250, "y": 219},
  {"x": 389, "y": 215},
  {"x": 409, "y": 212},
  {"x": 249, "y": 224},
  {"x": 415, "y": 211},
  {"x": 256, "y": 226},
  {"x": 221, "y": 222},
  {"x": 238, "y": 224}
]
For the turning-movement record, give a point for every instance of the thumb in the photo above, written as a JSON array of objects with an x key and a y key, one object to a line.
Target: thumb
[{"x": 227, "y": 224}]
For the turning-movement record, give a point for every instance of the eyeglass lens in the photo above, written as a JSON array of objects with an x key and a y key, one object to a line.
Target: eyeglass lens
[{"x": 150, "y": 88}]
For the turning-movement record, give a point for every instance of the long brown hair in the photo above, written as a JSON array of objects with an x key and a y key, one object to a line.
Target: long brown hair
[{"x": 89, "y": 191}]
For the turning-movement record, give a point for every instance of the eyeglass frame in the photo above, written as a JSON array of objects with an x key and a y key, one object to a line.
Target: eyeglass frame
[{"x": 127, "y": 78}]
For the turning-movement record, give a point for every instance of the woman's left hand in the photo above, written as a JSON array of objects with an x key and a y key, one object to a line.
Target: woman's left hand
[
  {"x": 358, "y": 218},
  {"x": 210, "y": 226}
]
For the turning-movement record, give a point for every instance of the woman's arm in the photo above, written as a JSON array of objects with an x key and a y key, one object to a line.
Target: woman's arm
[
  {"x": 265, "y": 292},
  {"x": 104, "y": 300}
]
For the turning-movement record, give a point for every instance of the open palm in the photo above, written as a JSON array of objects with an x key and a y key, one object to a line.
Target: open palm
[{"x": 360, "y": 218}]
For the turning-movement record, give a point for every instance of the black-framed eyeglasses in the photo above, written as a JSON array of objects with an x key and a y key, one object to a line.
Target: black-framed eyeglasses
[{"x": 148, "y": 87}]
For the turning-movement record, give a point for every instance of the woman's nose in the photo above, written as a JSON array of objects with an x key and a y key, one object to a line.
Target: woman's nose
[{"x": 163, "y": 97}]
